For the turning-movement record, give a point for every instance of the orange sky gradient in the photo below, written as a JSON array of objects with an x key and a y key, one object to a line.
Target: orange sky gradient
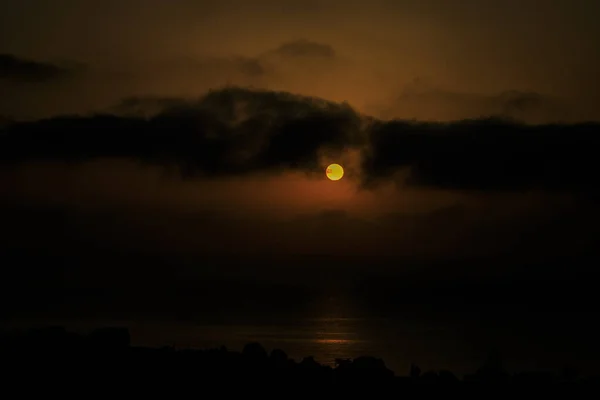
[
  {"x": 425, "y": 60},
  {"x": 405, "y": 58}
]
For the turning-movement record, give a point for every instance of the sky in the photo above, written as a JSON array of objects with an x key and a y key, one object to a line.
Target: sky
[
  {"x": 426, "y": 59},
  {"x": 164, "y": 141}
]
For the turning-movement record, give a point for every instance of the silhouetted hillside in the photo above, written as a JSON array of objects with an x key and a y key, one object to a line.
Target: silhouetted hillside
[{"x": 105, "y": 358}]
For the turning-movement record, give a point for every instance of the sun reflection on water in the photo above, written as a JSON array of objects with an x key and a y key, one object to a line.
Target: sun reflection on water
[
  {"x": 335, "y": 332},
  {"x": 335, "y": 341}
]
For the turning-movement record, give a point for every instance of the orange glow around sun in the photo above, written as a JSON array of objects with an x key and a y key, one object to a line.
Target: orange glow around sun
[{"x": 334, "y": 172}]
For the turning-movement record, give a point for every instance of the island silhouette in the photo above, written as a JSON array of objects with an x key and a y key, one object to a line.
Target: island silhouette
[{"x": 105, "y": 358}]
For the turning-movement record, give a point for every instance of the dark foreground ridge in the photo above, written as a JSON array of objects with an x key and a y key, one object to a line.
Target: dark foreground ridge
[{"x": 106, "y": 358}]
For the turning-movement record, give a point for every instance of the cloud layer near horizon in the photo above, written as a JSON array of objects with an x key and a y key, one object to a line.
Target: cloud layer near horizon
[{"x": 236, "y": 131}]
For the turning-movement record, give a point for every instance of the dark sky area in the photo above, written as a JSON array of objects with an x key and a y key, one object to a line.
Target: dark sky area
[
  {"x": 425, "y": 59},
  {"x": 150, "y": 147}
]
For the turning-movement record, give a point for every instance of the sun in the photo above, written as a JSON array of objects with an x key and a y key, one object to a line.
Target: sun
[{"x": 335, "y": 172}]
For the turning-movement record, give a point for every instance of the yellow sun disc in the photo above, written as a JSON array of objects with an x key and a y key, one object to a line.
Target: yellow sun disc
[{"x": 334, "y": 172}]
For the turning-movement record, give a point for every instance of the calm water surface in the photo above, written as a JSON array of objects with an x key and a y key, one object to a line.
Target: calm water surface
[{"x": 443, "y": 340}]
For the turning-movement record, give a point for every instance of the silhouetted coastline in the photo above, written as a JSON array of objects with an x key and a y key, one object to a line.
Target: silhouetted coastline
[{"x": 106, "y": 357}]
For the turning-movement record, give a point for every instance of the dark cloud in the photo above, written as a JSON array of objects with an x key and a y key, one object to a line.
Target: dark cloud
[
  {"x": 487, "y": 154},
  {"x": 234, "y": 131},
  {"x": 422, "y": 100},
  {"x": 227, "y": 131},
  {"x": 21, "y": 70}
]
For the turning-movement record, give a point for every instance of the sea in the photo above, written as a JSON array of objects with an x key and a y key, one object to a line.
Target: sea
[{"x": 434, "y": 340}]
